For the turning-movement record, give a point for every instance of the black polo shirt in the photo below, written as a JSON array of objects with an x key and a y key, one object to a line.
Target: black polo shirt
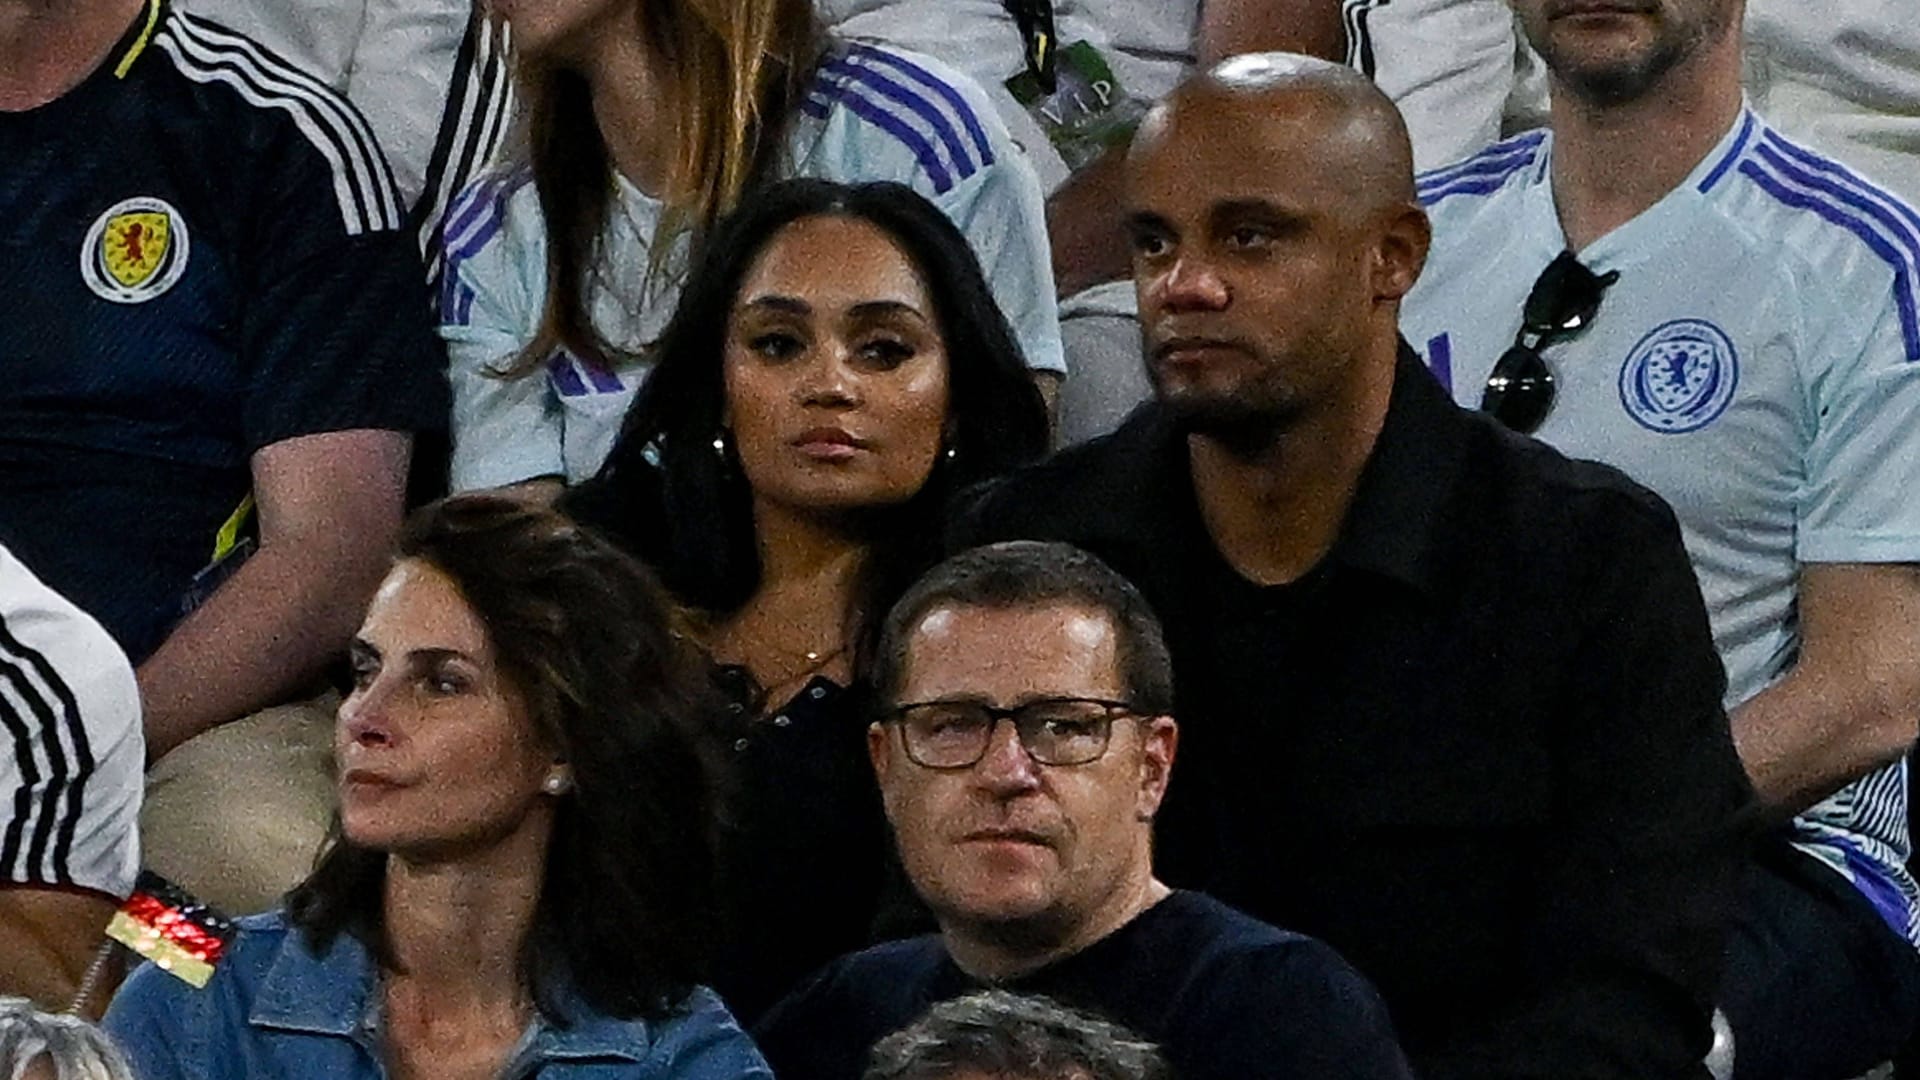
[{"x": 1478, "y": 749}]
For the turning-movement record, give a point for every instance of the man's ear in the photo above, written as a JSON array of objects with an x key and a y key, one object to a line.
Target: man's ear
[
  {"x": 1400, "y": 252},
  {"x": 1159, "y": 740}
]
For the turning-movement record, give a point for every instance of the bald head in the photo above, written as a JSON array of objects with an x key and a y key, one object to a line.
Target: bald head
[
  {"x": 1274, "y": 226},
  {"x": 1333, "y": 119}
]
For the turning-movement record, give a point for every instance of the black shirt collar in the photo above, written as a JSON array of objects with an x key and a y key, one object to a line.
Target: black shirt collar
[{"x": 1391, "y": 528}]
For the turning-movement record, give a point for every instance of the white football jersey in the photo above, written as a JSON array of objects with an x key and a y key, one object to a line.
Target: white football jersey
[
  {"x": 430, "y": 76},
  {"x": 873, "y": 113},
  {"x": 1844, "y": 78},
  {"x": 1757, "y": 364},
  {"x": 75, "y": 761}
]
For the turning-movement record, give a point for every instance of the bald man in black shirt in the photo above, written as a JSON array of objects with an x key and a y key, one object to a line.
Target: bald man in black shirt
[{"x": 1449, "y": 699}]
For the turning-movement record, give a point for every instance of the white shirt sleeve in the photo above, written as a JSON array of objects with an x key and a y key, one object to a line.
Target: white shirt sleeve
[
  {"x": 72, "y": 777},
  {"x": 1861, "y": 500},
  {"x": 1004, "y": 217}
]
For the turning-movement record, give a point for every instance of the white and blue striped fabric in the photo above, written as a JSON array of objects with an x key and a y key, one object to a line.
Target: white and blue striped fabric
[
  {"x": 872, "y": 113},
  {"x": 1757, "y": 363}
]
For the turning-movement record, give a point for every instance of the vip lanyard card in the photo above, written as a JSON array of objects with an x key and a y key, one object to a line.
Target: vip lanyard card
[{"x": 1087, "y": 113}]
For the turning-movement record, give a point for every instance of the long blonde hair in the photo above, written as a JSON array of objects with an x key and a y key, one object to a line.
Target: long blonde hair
[{"x": 736, "y": 70}]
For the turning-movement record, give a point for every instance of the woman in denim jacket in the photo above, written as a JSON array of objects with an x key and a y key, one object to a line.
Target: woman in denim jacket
[{"x": 516, "y": 881}]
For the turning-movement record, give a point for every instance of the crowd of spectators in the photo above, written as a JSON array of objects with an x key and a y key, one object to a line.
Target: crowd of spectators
[{"x": 686, "y": 538}]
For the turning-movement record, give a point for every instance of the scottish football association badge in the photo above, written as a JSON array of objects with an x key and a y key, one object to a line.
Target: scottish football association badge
[
  {"x": 1680, "y": 377},
  {"x": 135, "y": 251}
]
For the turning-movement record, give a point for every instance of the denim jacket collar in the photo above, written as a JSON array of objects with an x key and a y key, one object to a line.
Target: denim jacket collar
[{"x": 334, "y": 993}]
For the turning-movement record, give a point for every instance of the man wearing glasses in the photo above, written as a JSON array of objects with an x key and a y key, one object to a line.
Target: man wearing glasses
[
  {"x": 1022, "y": 757},
  {"x": 1665, "y": 283},
  {"x": 1448, "y": 699}
]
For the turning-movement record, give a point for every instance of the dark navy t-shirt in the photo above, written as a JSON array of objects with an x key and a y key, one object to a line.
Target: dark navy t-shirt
[
  {"x": 205, "y": 255},
  {"x": 1225, "y": 996}
]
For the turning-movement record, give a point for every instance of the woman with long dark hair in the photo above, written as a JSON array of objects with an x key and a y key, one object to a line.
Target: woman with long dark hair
[
  {"x": 518, "y": 880},
  {"x": 647, "y": 121},
  {"x": 836, "y": 371}
]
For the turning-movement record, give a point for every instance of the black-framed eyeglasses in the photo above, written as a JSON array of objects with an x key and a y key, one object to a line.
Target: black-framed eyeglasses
[
  {"x": 1054, "y": 731},
  {"x": 1565, "y": 298}
]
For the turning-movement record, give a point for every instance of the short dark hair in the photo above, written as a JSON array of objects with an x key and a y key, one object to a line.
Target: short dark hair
[
  {"x": 695, "y": 522},
  {"x": 1010, "y": 1037},
  {"x": 1031, "y": 573},
  {"x": 590, "y": 641}
]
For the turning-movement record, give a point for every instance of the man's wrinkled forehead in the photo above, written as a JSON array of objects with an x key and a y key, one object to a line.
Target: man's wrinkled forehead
[{"x": 1205, "y": 150}]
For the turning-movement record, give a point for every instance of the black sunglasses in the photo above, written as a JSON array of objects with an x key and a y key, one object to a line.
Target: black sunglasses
[{"x": 1564, "y": 300}]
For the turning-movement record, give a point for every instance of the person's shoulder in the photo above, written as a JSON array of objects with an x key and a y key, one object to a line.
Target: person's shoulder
[
  {"x": 1214, "y": 933},
  {"x": 1853, "y": 237},
  {"x": 77, "y": 778},
  {"x": 500, "y": 210},
  {"x": 698, "y": 1040},
  {"x": 827, "y": 1023},
  {"x": 1457, "y": 195},
  {"x": 1243, "y": 975},
  {"x": 893, "y": 114},
  {"x": 56, "y": 649},
  {"x": 249, "y": 103},
  {"x": 1556, "y": 498},
  {"x": 153, "y": 996},
  {"x": 855, "y": 985},
  {"x": 881, "y": 970},
  {"x": 1062, "y": 490}
]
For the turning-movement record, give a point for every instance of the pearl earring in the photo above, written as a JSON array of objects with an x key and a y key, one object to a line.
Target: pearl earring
[{"x": 556, "y": 784}]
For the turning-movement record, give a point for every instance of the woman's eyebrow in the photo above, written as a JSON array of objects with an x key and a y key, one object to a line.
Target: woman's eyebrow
[
  {"x": 869, "y": 309},
  {"x": 790, "y": 304},
  {"x": 426, "y": 657}
]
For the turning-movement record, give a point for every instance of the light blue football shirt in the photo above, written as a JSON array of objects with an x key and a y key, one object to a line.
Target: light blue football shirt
[{"x": 1757, "y": 364}]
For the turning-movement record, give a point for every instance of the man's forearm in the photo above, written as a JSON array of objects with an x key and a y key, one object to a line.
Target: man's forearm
[
  {"x": 47, "y": 940},
  {"x": 1812, "y": 733},
  {"x": 258, "y": 640}
]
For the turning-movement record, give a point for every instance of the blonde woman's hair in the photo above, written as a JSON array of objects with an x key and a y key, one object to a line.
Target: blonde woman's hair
[
  {"x": 734, "y": 72},
  {"x": 76, "y": 1049}
]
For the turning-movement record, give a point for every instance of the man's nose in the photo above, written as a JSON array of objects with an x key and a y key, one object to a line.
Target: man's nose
[
  {"x": 1007, "y": 768},
  {"x": 1191, "y": 284}
]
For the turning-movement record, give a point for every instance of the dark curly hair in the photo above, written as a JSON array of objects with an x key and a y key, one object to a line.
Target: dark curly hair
[{"x": 589, "y": 639}]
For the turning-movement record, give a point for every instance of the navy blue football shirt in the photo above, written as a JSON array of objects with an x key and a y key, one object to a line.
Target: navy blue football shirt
[{"x": 204, "y": 254}]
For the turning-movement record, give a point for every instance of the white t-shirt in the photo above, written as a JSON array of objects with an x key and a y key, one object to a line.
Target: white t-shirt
[
  {"x": 873, "y": 113},
  {"x": 1757, "y": 364},
  {"x": 75, "y": 760},
  {"x": 1460, "y": 71},
  {"x": 431, "y": 77},
  {"x": 1844, "y": 78}
]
